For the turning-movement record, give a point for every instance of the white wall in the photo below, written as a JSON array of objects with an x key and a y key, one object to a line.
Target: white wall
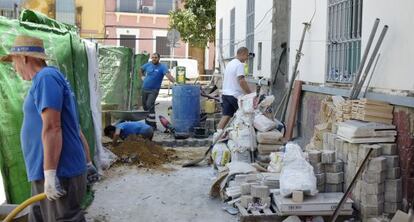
[
  {"x": 263, "y": 32},
  {"x": 395, "y": 67},
  {"x": 312, "y": 64}
]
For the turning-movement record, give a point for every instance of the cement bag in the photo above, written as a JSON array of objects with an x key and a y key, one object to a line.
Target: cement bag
[
  {"x": 297, "y": 173},
  {"x": 271, "y": 137},
  {"x": 220, "y": 154},
  {"x": 246, "y": 103},
  {"x": 238, "y": 154},
  {"x": 276, "y": 160},
  {"x": 263, "y": 124},
  {"x": 244, "y": 136}
]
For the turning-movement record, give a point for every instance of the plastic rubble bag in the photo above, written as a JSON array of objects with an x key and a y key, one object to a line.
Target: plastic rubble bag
[
  {"x": 246, "y": 103},
  {"x": 263, "y": 124},
  {"x": 244, "y": 136},
  {"x": 276, "y": 161},
  {"x": 297, "y": 174},
  {"x": 220, "y": 154},
  {"x": 270, "y": 137},
  {"x": 238, "y": 154},
  {"x": 268, "y": 100}
]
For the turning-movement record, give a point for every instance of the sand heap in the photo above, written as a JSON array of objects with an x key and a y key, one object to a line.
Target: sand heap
[{"x": 136, "y": 150}]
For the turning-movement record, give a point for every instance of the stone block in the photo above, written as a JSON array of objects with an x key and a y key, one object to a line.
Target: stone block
[
  {"x": 371, "y": 199},
  {"x": 333, "y": 188},
  {"x": 259, "y": 191},
  {"x": 392, "y": 161},
  {"x": 393, "y": 190},
  {"x": 318, "y": 168},
  {"x": 272, "y": 184},
  {"x": 245, "y": 200},
  {"x": 364, "y": 149},
  {"x": 374, "y": 177},
  {"x": 335, "y": 167},
  {"x": 245, "y": 188},
  {"x": 339, "y": 148},
  {"x": 377, "y": 164},
  {"x": 389, "y": 148},
  {"x": 328, "y": 156},
  {"x": 321, "y": 188},
  {"x": 372, "y": 188},
  {"x": 345, "y": 152},
  {"x": 320, "y": 178},
  {"x": 297, "y": 196},
  {"x": 393, "y": 173},
  {"x": 372, "y": 211},
  {"x": 357, "y": 205},
  {"x": 390, "y": 207},
  {"x": 353, "y": 157},
  {"x": 314, "y": 156},
  {"x": 240, "y": 178},
  {"x": 334, "y": 178}
]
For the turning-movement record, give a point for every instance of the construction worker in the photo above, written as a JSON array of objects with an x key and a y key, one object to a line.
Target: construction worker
[
  {"x": 154, "y": 73},
  {"x": 234, "y": 85},
  {"x": 124, "y": 129},
  {"x": 53, "y": 145}
]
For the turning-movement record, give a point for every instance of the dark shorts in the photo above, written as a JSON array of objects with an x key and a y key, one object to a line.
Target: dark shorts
[{"x": 229, "y": 105}]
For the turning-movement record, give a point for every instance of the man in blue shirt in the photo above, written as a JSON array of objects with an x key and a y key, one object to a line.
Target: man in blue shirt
[
  {"x": 124, "y": 129},
  {"x": 52, "y": 142},
  {"x": 154, "y": 73}
]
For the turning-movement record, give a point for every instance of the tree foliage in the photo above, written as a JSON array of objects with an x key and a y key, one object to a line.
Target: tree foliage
[{"x": 196, "y": 22}]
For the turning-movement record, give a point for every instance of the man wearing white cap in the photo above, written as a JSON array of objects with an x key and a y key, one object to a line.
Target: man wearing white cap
[{"x": 54, "y": 148}]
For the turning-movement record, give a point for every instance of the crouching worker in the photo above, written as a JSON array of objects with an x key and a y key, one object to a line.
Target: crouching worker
[{"x": 124, "y": 129}]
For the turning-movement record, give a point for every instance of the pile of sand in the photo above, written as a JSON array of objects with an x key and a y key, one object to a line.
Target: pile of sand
[{"x": 136, "y": 150}]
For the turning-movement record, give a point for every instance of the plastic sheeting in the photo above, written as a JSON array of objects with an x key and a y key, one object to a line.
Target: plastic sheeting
[
  {"x": 140, "y": 60},
  {"x": 67, "y": 52},
  {"x": 115, "y": 68}
]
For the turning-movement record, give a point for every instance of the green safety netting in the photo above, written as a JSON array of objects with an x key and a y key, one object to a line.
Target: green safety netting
[
  {"x": 66, "y": 51},
  {"x": 115, "y": 65}
]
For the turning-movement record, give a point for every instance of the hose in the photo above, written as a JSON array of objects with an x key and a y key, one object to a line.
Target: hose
[{"x": 23, "y": 205}]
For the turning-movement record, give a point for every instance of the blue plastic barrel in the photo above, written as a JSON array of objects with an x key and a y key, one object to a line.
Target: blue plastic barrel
[{"x": 185, "y": 108}]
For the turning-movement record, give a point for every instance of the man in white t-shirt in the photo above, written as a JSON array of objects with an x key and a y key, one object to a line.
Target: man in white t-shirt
[{"x": 234, "y": 85}]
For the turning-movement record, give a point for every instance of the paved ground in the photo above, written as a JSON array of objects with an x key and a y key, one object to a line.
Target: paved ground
[{"x": 132, "y": 194}]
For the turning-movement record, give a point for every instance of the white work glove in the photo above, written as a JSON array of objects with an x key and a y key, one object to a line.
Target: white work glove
[
  {"x": 52, "y": 188},
  {"x": 92, "y": 174}
]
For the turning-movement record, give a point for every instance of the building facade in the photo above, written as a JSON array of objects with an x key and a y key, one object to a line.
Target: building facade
[{"x": 245, "y": 23}]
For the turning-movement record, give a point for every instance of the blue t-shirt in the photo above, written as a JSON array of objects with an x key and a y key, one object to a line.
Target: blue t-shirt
[
  {"x": 50, "y": 89},
  {"x": 133, "y": 128},
  {"x": 153, "y": 75}
]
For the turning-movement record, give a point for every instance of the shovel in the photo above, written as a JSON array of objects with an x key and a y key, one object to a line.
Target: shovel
[{"x": 196, "y": 161}]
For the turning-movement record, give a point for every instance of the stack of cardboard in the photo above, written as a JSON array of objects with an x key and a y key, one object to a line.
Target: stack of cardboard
[{"x": 369, "y": 110}]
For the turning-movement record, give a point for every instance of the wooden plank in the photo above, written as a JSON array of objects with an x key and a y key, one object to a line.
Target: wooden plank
[
  {"x": 294, "y": 106},
  {"x": 256, "y": 213},
  {"x": 374, "y": 119},
  {"x": 242, "y": 210}
]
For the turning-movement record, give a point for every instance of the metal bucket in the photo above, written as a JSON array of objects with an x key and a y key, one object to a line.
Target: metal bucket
[{"x": 5, "y": 209}]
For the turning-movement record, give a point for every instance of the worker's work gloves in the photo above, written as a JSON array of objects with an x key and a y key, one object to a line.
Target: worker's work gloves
[
  {"x": 53, "y": 189},
  {"x": 92, "y": 174}
]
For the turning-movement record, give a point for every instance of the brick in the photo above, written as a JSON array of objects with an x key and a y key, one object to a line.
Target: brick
[
  {"x": 392, "y": 161},
  {"x": 389, "y": 148},
  {"x": 390, "y": 207},
  {"x": 259, "y": 191},
  {"x": 377, "y": 164},
  {"x": 393, "y": 190},
  {"x": 318, "y": 168},
  {"x": 393, "y": 173},
  {"x": 374, "y": 177},
  {"x": 372, "y": 211},
  {"x": 372, "y": 188},
  {"x": 297, "y": 196},
  {"x": 314, "y": 156},
  {"x": 335, "y": 167},
  {"x": 333, "y": 188},
  {"x": 320, "y": 178},
  {"x": 371, "y": 199},
  {"x": 245, "y": 200},
  {"x": 335, "y": 178},
  {"x": 328, "y": 156}
]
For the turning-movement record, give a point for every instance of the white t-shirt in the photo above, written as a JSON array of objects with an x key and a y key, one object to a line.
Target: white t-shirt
[{"x": 231, "y": 86}]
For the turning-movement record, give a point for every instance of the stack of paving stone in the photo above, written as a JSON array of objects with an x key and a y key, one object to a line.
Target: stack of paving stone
[
  {"x": 268, "y": 142},
  {"x": 329, "y": 172},
  {"x": 378, "y": 190}
]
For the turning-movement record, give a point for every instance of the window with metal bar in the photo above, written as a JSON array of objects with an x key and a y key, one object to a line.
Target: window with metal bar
[
  {"x": 259, "y": 56},
  {"x": 232, "y": 31},
  {"x": 128, "y": 41},
  {"x": 344, "y": 40},
  {"x": 250, "y": 32}
]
